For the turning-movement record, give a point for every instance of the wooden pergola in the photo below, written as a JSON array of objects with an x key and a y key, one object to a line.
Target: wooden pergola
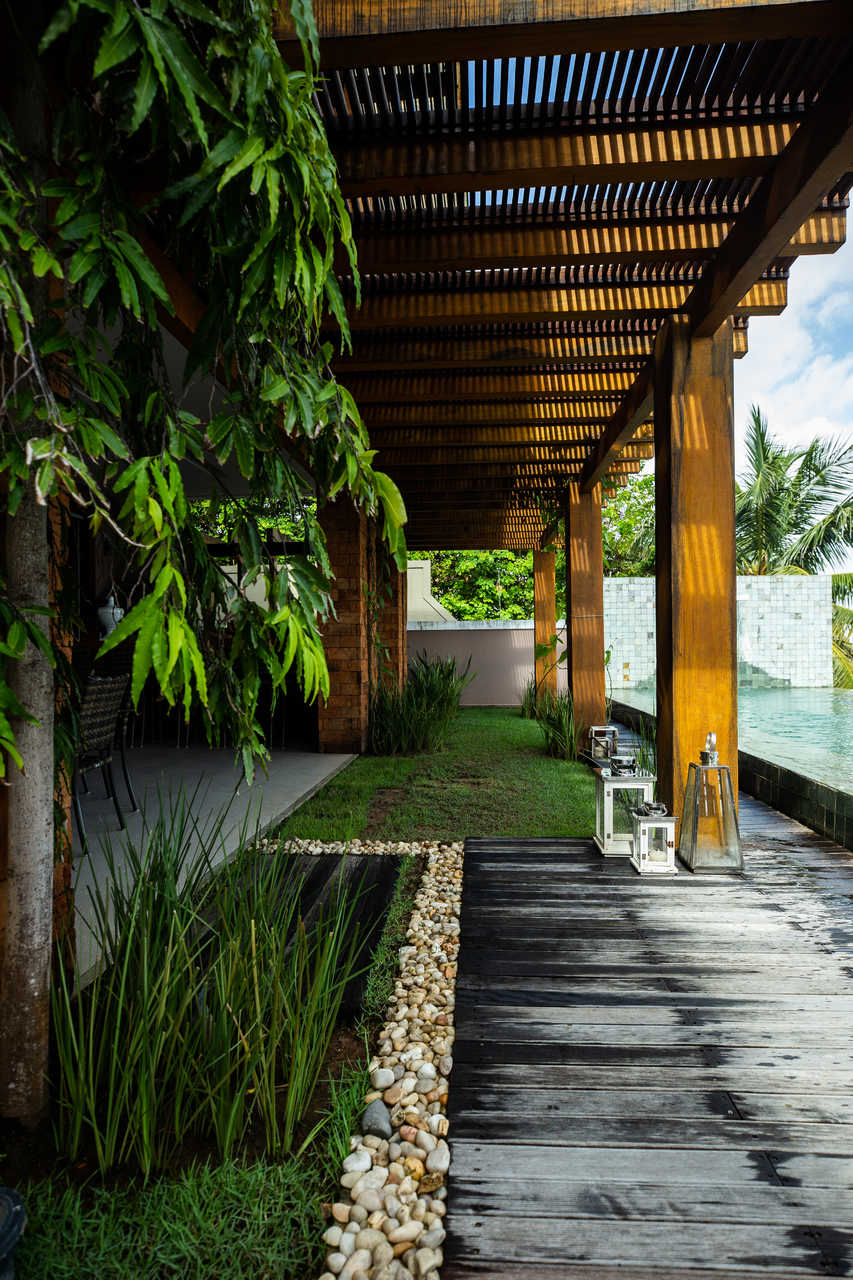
[{"x": 566, "y": 214}]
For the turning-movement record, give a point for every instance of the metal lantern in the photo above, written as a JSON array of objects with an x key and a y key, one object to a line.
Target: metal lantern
[
  {"x": 710, "y": 840},
  {"x": 603, "y": 741},
  {"x": 653, "y": 851},
  {"x": 619, "y": 789}
]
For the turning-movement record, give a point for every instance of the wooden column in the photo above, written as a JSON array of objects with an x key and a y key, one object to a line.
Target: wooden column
[
  {"x": 695, "y": 523},
  {"x": 585, "y": 604},
  {"x": 342, "y": 717},
  {"x": 544, "y": 619}
]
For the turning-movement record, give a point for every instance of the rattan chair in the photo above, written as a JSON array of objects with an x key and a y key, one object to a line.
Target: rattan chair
[{"x": 103, "y": 716}]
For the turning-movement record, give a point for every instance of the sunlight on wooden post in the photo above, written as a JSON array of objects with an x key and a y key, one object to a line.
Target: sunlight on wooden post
[
  {"x": 544, "y": 619},
  {"x": 696, "y": 584},
  {"x": 342, "y": 717},
  {"x": 585, "y": 604}
]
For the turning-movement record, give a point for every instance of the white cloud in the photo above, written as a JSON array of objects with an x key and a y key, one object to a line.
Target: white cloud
[{"x": 799, "y": 367}]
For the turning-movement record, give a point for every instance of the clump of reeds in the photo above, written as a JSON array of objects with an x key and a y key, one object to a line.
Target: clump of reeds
[
  {"x": 416, "y": 717},
  {"x": 212, "y": 1008},
  {"x": 561, "y": 729}
]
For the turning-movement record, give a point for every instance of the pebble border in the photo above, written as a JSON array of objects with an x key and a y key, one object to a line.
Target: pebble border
[{"x": 388, "y": 1221}]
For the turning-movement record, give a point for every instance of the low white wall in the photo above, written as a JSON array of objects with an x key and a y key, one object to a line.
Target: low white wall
[{"x": 501, "y": 654}]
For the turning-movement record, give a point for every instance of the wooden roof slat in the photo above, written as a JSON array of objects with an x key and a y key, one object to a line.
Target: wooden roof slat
[
  {"x": 524, "y": 245},
  {"x": 420, "y": 30},
  {"x": 436, "y": 310},
  {"x": 487, "y": 162}
]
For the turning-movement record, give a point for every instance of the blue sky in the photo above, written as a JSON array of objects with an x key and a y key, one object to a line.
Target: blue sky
[{"x": 799, "y": 368}]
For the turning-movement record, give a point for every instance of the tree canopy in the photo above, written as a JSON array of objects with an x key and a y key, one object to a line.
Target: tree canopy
[
  {"x": 178, "y": 136},
  {"x": 794, "y": 514}
]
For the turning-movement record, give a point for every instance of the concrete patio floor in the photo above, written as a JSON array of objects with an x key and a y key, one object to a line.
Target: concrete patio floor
[{"x": 213, "y": 784}]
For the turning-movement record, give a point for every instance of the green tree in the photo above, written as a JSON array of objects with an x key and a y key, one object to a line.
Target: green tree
[
  {"x": 481, "y": 585},
  {"x": 138, "y": 133},
  {"x": 794, "y": 514},
  {"x": 181, "y": 126},
  {"x": 628, "y": 530}
]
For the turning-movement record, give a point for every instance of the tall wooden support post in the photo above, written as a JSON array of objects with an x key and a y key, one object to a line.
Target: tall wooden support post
[
  {"x": 342, "y": 717},
  {"x": 585, "y": 604},
  {"x": 544, "y": 619},
  {"x": 695, "y": 523}
]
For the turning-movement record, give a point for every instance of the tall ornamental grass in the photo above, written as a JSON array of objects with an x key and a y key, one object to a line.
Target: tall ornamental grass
[
  {"x": 416, "y": 717},
  {"x": 561, "y": 729},
  {"x": 212, "y": 1007}
]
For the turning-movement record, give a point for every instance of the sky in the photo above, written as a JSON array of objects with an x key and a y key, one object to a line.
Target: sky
[{"x": 799, "y": 368}]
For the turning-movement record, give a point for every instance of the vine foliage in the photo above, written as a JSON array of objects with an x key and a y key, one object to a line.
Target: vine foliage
[{"x": 181, "y": 137}]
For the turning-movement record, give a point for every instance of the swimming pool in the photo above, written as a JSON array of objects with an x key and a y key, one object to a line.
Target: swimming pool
[{"x": 807, "y": 730}]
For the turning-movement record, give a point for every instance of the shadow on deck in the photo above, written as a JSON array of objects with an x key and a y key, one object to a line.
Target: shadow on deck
[{"x": 654, "y": 1080}]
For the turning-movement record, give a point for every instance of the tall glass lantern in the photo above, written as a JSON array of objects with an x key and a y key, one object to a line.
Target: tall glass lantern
[
  {"x": 619, "y": 790},
  {"x": 710, "y": 840}
]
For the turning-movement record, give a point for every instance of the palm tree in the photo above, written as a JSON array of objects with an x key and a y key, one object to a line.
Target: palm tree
[{"x": 794, "y": 514}]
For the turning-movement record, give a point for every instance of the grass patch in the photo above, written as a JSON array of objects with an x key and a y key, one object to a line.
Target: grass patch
[
  {"x": 247, "y": 1221},
  {"x": 491, "y": 779},
  {"x": 379, "y": 988}
]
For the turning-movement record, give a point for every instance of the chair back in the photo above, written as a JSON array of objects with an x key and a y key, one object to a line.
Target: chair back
[{"x": 103, "y": 699}]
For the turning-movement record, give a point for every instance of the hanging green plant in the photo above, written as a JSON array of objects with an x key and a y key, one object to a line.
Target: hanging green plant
[{"x": 179, "y": 136}]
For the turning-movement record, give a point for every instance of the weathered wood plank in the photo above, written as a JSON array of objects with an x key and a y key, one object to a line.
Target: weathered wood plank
[
  {"x": 631, "y": 1165},
  {"x": 673, "y": 1132},
  {"x": 555, "y": 1198},
  {"x": 754, "y": 1248},
  {"x": 778, "y": 1078}
]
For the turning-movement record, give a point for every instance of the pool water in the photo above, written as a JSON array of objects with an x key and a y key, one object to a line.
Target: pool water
[{"x": 807, "y": 730}]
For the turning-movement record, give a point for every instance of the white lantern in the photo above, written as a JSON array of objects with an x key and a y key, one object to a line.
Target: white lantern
[
  {"x": 619, "y": 789},
  {"x": 603, "y": 742},
  {"x": 653, "y": 850}
]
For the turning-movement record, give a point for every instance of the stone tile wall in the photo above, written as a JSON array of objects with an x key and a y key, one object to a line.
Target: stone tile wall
[{"x": 784, "y": 628}]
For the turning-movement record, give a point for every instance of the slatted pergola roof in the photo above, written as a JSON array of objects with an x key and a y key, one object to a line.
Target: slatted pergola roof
[{"x": 534, "y": 192}]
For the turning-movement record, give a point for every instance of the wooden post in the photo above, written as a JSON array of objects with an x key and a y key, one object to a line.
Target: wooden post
[
  {"x": 585, "y": 604},
  {"x": 342, "y": 717},
  {"x": 695, "y": 524},
  {"x": 544, "y": 619},
  {"x": 392, "y": 620}
]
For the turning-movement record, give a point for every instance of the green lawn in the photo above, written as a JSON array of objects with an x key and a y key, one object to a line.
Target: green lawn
[{"x": 491, "y": 779}]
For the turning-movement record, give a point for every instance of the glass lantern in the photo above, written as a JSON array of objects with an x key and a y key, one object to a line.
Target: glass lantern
[
  {"x": 603, "y": 742},
  {"x": 710, "y": 840},
  {"x": 619, "y": 789},
  {"x": 653, "y": 851}
]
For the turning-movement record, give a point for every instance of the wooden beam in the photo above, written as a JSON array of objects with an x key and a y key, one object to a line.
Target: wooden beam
[
  {"x": 628, "y": 341},
  {"x": 416, "y": 31},
  {"x": 695, "y": 538},
  {"x": 484, "y": 385},
  {"x": 636, "y": 154},
  {"x": 527, "y": 413},
  {"x": 440, "y": 457},
  {"x": 435, "y": 309},
  {"x": 583, "y": 439},
  {"x": 390, "y": 251},
  {"x": 634, "y": 410},
  {"x": 820, "y": 152}
]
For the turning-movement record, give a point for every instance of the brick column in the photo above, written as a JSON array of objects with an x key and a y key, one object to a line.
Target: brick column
[
  {"x": 392, "y": 622},
  {"x": 342, "y": 717}
]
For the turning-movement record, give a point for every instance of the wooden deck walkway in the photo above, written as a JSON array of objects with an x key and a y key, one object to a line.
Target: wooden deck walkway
[{"x": 654, "y": 1080}]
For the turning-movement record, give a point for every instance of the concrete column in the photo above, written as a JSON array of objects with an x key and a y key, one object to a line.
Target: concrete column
[
  {"x": 342, "y": 717},
  {"x": 585, "y": 604},
  {"x": 544, "y": 619},
  {"x": 695, "y": 530}
]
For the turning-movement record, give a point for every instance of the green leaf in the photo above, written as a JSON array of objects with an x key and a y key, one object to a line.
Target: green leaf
[
  {"x": 248, "y": 154},
  {"x": 116, "y": 47},
  {"x": 142, "y": 657},
  {"x": 144, "y": 93}
]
